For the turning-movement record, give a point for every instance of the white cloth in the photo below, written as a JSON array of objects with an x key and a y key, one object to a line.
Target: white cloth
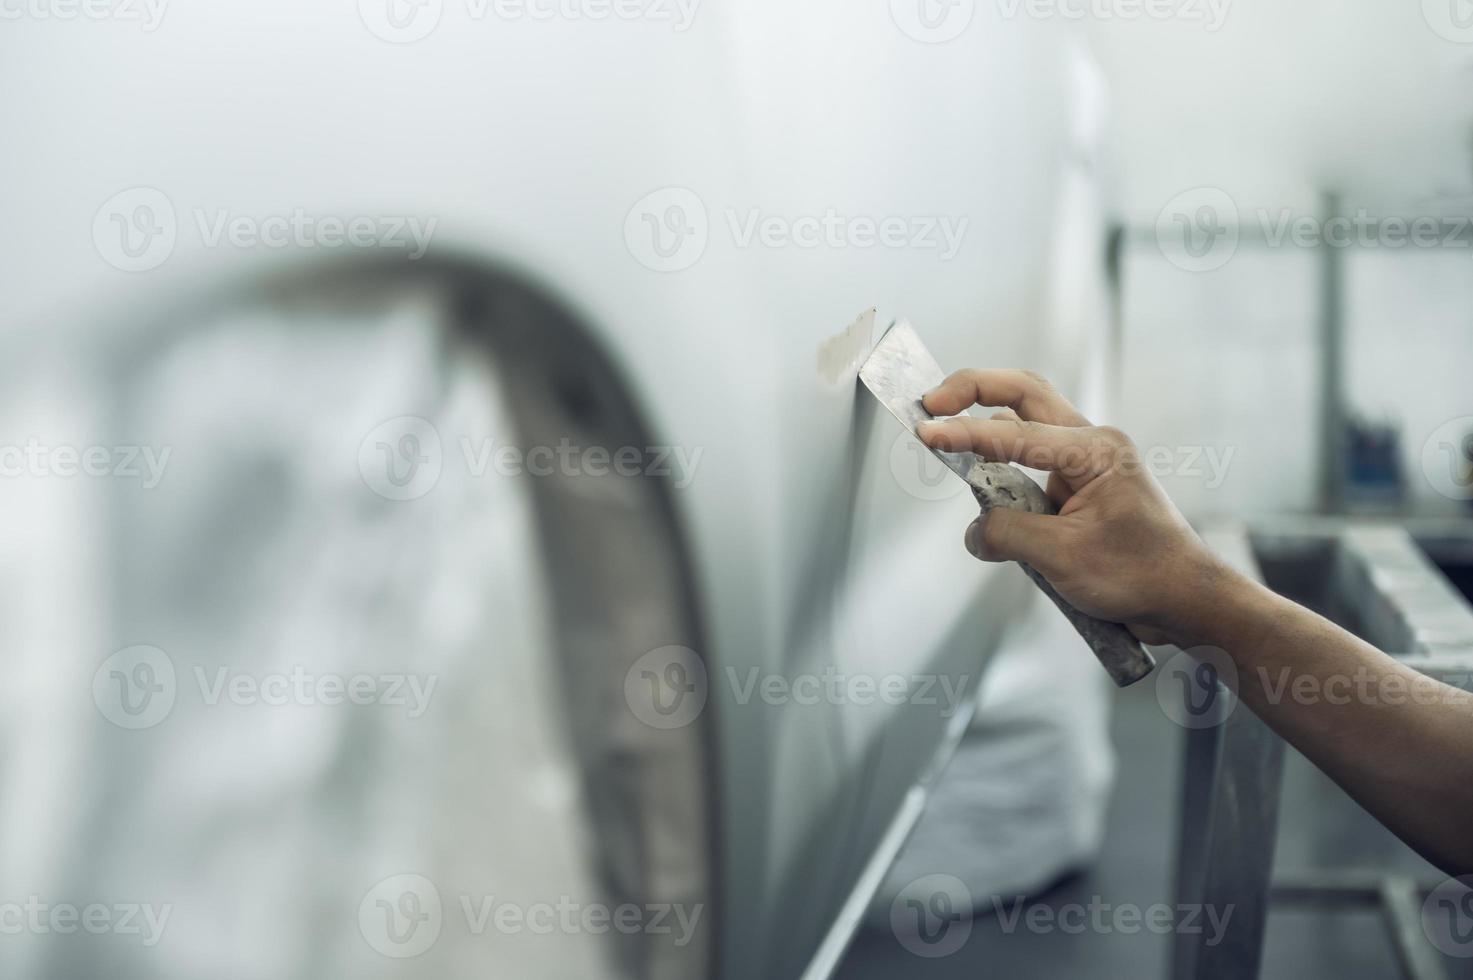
[{"x": 1024, "y": 799}]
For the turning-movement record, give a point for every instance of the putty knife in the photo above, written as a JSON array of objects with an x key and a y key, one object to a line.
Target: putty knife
[{"x": 898, "y": 372}]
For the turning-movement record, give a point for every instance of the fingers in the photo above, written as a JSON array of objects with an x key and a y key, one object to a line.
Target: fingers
[
  {"x": 1017, "y": 535},
  {"x": 1029, "y": 395},
  {"x": 1058, "y": 488},
  {"x": 1076, "y": 454},
  {"x": 1058, "y": 491}
]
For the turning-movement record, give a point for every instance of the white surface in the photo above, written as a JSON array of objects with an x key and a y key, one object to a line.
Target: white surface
[{"x": 530, "y": 142}]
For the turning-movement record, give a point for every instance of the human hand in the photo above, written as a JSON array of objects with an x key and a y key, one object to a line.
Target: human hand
[{"x": 1118, "y": 548}]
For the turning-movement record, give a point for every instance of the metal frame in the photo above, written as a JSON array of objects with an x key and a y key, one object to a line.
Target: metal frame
[
  {"x": 1233, "y": 771},
  {"x": 1229, "y": 822},
  {"x": 1398, "y": 898}
]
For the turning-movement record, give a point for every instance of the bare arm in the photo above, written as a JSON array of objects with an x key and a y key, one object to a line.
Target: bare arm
[{"x": 1401, "y": 744}]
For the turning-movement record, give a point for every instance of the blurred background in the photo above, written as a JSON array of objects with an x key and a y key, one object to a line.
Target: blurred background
[
  {"x": 1257, "y": 317},
  {"x": 445, "y": 534}
]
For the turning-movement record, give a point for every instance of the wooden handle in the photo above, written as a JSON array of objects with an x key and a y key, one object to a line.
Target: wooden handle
[{"x": 1123, "y": 657}]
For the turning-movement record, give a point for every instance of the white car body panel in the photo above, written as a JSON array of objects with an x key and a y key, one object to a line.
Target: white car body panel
[{"x": 529, "y": 143}]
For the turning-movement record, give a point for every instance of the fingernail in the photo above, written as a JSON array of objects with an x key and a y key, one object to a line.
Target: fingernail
[{"x": 974, "y": 539}]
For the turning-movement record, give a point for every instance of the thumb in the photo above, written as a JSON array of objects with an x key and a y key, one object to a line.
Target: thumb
[{"x": 1003, "y": 534}]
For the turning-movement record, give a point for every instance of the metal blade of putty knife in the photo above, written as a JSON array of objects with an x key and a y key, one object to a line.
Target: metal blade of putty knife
[{"x": 898, "y": 372}]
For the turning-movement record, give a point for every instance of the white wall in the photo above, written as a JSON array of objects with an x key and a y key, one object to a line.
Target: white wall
[{"x": 1219, "y": 378}]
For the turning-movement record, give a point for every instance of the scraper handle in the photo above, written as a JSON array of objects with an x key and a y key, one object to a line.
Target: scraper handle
[{"x": 1123, "y": 657}]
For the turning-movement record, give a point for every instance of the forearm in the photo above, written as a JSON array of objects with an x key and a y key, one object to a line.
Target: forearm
[{"x": 1397, "y": 741}]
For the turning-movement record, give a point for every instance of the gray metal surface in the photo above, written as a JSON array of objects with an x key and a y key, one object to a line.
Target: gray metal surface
[
  {"x": 1401, "y": 905},
  {"x": 1229, "y": 821},
  {"x": 1331, "y": 351},
  {"x": 1397, "y": 898}
]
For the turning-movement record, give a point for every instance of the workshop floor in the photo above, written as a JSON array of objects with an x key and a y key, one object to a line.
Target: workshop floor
[{"x": 1320, "y": 828}]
